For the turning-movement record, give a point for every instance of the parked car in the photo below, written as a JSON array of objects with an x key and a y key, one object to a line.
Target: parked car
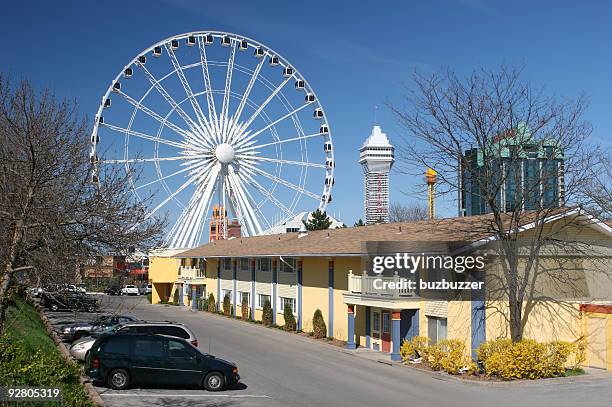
[
  {"x": 79, "y": 348},
  {"x": 78, "y": 330},
  {"x": 78, "y": 288},
  {"x": 130, "y": 290},
  {"x": 36, "y": 292},
  {"x": 121, "y": 360},
  {"x": 56, "y": 301},
  {"x": 146, "y": 289},
  {"x": 113, "y": 290}
]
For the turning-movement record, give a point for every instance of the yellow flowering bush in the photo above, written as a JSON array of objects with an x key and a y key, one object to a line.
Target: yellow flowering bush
[
  {"x": 526, "y": 359},
  {"x": 406, "y": 350},
  {"x": 420, "y": 345}
]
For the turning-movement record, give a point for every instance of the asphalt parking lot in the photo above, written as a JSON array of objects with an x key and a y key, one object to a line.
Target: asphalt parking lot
[{"x": 280, "y": 369}]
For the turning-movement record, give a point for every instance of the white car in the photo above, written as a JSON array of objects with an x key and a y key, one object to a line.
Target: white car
[{"x": 129, "y": 290}]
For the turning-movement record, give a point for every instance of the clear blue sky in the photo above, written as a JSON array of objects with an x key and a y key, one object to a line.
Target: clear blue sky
[{"x": 355, "y": 54}]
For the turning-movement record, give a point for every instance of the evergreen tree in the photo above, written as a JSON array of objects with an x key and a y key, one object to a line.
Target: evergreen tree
[
  {"x": 319, "y": 221},
  {"x": 245, "y": 308},
  {"x": 318, "y": 325},
  {"x": 266, "y": 318},
  {"x": 227, "y": 305},
  {"x": 359, "y": 223},
  {"x": 290, "y": 323},
  {"x": 212, "y": 305}
]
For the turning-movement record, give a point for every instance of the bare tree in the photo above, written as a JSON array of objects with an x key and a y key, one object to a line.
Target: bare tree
[
  {"x": 478, "y": 132},
  {"x": 55, "y": 218},
  {"x": 407, "y": 213}
]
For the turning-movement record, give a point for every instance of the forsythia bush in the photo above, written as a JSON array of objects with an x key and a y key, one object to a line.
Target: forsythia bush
[
  {"x": 417, "y": 347},
  {"x": 526, "y": 359},
  {"x": 406, "y": 350}
]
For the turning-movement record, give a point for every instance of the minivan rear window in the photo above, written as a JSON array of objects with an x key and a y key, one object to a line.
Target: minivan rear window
[{"x": 119, "y": 345}]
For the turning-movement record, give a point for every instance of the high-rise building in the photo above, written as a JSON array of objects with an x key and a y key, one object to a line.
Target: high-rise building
[
  {"x": 376, "y": 158},
  {"x": 528, "y": 174}
]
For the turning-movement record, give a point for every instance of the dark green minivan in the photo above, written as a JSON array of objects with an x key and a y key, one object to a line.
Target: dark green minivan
[{"x": 123, "y": 359}]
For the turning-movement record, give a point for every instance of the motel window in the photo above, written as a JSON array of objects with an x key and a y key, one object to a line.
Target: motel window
[
  {"x": 244, "y": 264},
  {"x": 227, "y": 292},
  {"x": 286, "y": 302},
  {"x": 227, "y": 263},
  {"x": 386, "y": 323},
  {"x": 264, "y": 264},
  {"x": 436, "y": 329},
  {"x": 376, "y": 321},
  {"x": 261, "y": 300},
  {"x": 288, "y": 265},
  {"x": 244, "y": 295}
]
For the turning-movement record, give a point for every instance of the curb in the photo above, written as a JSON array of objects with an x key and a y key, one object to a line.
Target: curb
[{"x": 85, "y": 381}]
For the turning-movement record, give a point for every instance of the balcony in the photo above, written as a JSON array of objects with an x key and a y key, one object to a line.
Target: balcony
[
  {"x": 190, "y": 273},
  {"x": 380, "y": 291}
]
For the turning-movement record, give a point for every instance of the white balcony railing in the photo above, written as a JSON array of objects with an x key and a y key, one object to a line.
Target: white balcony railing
[
  {"x": 379, "y": 286},
  {"x": 190, "y": 273}
]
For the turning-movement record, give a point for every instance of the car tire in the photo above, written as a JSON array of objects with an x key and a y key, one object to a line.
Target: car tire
[
  {"x": 214, "y": 381},
  {"x": 54, "y": 307},
  {"x": 119, "y": 379}
]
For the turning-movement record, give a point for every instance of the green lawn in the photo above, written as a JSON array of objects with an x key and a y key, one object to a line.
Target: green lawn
[{"x": 29, "y": 357}]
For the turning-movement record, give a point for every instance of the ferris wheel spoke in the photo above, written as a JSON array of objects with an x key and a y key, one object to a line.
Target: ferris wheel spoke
[
  {"x": 267, "y": 195},
  {"x": 171, "y": 196},
  {"x": 265, "y": 103},
  {"x": 164, "y": 93},
  {"x": 155, "y": 159},
  {"x": 252, "y": 135},
  {"x": 191, "y": 219},
  {"x": 143, "y": 135},
  {"x": 151, "y": 113},
  {"x": 282, "y": 181},
  {"x": 185, "y": 83},
  {"x": 247, "y": 92},
  {"x": 280, "y": 161},
  {"x": 226, "y": 95},
  {"x": 165, "y": 177},
  {"x": 254, "y": 207},
  {"x": 248, "y": 147},
  {"x": 244, "y": 206},
  {"x": 210, "y": 100}
]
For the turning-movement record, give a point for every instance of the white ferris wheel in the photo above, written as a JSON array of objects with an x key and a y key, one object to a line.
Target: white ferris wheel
[{"x": 206, "y": 119}]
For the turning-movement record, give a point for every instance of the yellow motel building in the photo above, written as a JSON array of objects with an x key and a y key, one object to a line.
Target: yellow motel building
[{"x": 324, "y": 270}]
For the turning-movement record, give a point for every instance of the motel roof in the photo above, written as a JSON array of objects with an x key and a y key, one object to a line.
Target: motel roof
[{"x": 350, "y": 241}]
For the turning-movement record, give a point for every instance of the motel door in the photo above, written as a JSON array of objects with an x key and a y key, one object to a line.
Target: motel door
[{"x": 386, "y": 331}]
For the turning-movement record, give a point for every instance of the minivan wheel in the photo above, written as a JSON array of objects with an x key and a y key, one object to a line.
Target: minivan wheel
[
  {"x": 214, "y": 381},
  {"x": 119, "y": 379},
  {"x": 54, "y": 307}
]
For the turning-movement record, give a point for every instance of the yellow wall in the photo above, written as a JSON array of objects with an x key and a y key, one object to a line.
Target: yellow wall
[
  {"x": 162, "y": 271},
  {"x": 314, "y": 290},
  {"x": 608, "y": 324}
]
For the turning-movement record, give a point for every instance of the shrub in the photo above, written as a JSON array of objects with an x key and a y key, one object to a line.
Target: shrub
[
  {"x": 202, "y": 304},
  {"x": 245, "y": 309},
  {"x": 319, "y": 328},
  {"x": 290, "y": 323},
  {"x": 227, "y": 305},
  {"x": 266, "y": 318},
  {"x": 406, "y": 350},
  {"x": 579, "y": 353},
  {"x": 454, "y": 356},
  {"x": 175, "y": 297},
  {"x": 212, "y": 304},
  {"x": 526, "y": 359},
  {"x": 420, "y": 345}
]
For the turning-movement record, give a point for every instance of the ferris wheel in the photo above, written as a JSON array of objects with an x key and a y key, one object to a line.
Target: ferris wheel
[{"x": 209, "y": 120}]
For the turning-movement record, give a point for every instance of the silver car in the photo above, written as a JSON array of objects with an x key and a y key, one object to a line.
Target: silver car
[{"x": 79, "y": 349}]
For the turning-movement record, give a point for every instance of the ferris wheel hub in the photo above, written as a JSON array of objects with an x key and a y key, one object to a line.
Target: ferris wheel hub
[{"x": 225, "y": 153}]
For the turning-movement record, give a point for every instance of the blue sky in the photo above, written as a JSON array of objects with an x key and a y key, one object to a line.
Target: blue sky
[{"x": 355, "y": 54}]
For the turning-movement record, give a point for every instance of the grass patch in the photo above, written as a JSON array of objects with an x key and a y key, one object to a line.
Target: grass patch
[
  {"x": 574, "y": 372},
  {"x": 29, "y": 357}
]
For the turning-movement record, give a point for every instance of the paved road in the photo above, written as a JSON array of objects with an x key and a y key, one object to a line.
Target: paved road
[{"x": 280, "y": 369}]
